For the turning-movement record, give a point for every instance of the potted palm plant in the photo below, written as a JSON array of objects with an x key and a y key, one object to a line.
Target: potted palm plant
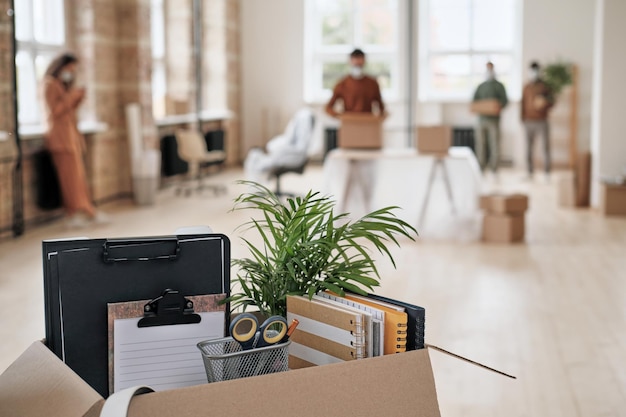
[
  {"x": 557, "y": 75},
  {"x": 306, "y": 248}
]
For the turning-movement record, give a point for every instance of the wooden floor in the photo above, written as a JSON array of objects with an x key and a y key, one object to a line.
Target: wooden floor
[{"x": 551, "y": 311}]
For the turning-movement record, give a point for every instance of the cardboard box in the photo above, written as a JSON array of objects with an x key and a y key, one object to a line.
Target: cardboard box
[
  {"x": 360, "y": 131},
  {"x": 173, "y": 107},
  {"x": 504, "y": 203},
  {"x": 434, "y": 139},
  {"x": 613, "y": 200},
  {"x": 39, "y": 384},
  {"x": 500, "y": 228},
  {"x": 486, "y": 107}
]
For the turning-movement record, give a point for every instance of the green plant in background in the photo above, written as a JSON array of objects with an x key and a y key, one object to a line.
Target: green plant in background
[
  {"x": 306, "y": 248},
  {"x": 557, "y": 75}
]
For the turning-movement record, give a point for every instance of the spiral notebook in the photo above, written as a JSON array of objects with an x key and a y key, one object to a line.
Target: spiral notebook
[
  {"x": 396, "y": 323},
  {"x": 416, "y": 317},
  {"x": 326, "y": 333},
  {"x": 368, "y": 322},
  {"x": 377, "y": 335}
]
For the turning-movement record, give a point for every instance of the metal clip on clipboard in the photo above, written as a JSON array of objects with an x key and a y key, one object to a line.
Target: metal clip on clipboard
[
  {"x": 118, "y": 250},
  {"x": 168, "y": 309}
]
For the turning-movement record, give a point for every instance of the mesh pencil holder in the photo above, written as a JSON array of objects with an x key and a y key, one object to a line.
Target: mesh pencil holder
[{"x": 224, "y": 359}]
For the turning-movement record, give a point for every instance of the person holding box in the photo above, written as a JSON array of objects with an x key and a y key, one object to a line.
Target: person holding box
[
  {"x": 537, "y": 100},
  {"x": 358, "y": 92},
  {"x": 489, "y": 100}
]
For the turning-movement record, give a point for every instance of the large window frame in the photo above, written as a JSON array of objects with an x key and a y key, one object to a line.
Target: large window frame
[
  {"x": 159, "y": 64},
  {"x": 476, "y": 57},
  {"x": 38, "y": 42},
  {"x": 316, "y": 54}
]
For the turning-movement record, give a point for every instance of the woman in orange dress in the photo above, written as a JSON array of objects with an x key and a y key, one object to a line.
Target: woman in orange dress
[{"x": 65, "y": 143}]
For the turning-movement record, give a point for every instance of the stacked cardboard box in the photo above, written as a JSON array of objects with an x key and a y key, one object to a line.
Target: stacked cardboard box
[{"x": 504, "y": 219}]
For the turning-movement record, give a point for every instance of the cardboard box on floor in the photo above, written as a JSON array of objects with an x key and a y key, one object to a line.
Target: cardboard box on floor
[
  {"x": 39, "y": 384},
  {"x": 504, "y": 220},
  {"x": 613, "y": 200},
  {"x": 504, "y": 203},
  {"x": 501, "y": 228},
  {"x": 360, "y": 131}
]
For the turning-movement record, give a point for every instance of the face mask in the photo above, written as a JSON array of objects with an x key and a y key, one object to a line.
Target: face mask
[
  {"x": 67, "y": 76},
  {"x": 534, "y": 74},
  {"x": 356, "y": 72},
  {"x": 491, "y": 74}
]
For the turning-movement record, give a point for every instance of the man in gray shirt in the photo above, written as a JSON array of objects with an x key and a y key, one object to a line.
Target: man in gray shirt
[{"x": 488, "y": 130}]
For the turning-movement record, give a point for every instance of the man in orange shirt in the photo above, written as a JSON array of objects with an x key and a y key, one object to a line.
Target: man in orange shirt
[{"x": 358, "y": 92}]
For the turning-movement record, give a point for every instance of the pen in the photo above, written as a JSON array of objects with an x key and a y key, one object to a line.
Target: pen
[{"x": 292, "y": 327}]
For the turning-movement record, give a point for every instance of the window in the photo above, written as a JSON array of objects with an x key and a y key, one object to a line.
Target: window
[
  {"x": 40, "y": 34},
  {"x": 334, "y": 28},
  {"x": 157, "y": 35},
  {"x": 458, "y": 37}
]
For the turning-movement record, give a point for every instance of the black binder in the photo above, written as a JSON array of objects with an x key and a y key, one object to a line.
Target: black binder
[{"x": 81, "y": 276}]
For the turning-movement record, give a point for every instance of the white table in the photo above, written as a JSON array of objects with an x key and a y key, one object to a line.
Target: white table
[{"x": 365, "y": 180}]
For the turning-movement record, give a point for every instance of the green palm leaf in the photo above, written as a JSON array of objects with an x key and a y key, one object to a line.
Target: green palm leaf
[{"x": 307, "y": 248}]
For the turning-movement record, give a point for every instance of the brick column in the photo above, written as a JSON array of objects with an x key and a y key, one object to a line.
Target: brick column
[
  {"x": 112, "y": 39},
  {"x": 8, "y": 150}
]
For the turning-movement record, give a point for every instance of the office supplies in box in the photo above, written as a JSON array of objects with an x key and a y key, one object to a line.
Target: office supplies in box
[
  {"x": 38, "y": 384},
  {"x": 434, "y": 139},
  {"x": 83, "y": 276},
  {"x": 360, "y": 131},
  {"x": 336, "y": 328}
]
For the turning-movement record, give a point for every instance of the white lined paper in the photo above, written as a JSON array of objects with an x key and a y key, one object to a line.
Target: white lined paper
[{"x": 162, "y": 357}]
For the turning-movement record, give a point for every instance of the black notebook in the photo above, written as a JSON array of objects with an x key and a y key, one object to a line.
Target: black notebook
[{"x": 416, "y": 321}]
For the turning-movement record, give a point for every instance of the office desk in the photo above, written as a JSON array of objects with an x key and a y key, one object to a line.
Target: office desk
[{"x": 365, "y": 180}]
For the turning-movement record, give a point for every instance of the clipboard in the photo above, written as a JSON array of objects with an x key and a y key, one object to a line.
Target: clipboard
[
  {"x": 82, "y": 276},
  {"x": 154, "y": 342}
]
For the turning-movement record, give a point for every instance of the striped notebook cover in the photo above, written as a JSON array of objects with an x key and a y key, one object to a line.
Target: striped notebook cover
[{"x": 326, "y": 333}]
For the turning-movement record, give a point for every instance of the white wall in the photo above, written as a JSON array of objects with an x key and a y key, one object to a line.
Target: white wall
[
  {"x": 272, "y": 67},
  {"x": 609, "y": 89},
  {"x": 272, "y": 59}
]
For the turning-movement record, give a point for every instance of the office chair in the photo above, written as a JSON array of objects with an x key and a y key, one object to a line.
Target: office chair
[
  {"x": 286, "y": 153},
  {"x": 192, "y": 148}
]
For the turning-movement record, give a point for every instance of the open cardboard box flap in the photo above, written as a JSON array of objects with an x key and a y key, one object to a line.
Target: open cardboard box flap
[{"x": 38, "y": 383}]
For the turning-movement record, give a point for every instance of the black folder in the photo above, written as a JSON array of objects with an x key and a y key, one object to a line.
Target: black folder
[{"x": 81, "y": 276}]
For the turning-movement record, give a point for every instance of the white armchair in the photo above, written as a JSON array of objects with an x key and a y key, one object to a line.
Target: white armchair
[{"x": 288, "y": 152}]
